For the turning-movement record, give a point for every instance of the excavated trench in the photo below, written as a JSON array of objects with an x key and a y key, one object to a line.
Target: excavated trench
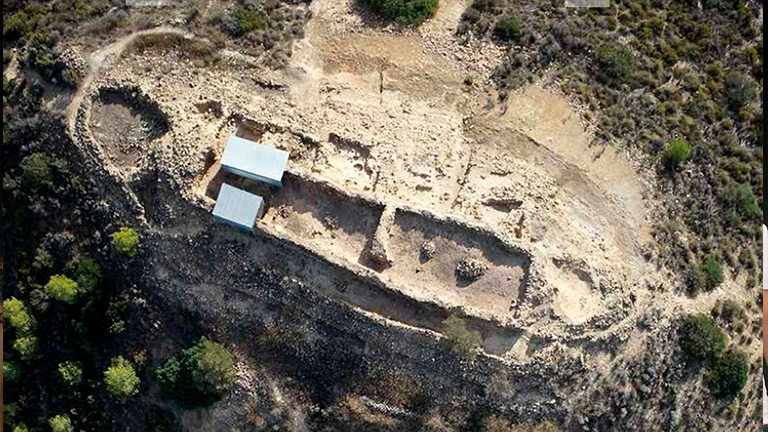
[
  {"x": 332, "y": 232},
  {"x": 126, "y": 122}
]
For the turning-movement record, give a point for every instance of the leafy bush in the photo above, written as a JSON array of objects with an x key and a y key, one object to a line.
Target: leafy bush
[
  {"x": 198, "y": 375},
  {"x": 61, "y": 423},
  {"x": 700, "y": 337},
  {"x": 246, "y": 20},
  {"x": 11, "y": 371},
  {"x": 460, "y": 340},
  {"x": 71, "y": 373},
  {"x": 121, "y": 380},
  {"x": 62, "y": 289},
  {"x": 10, "y": 413},
  {"x": 713, "y": 272},
  {"x": 36, "y": 171},
  {"x": 18, "y": 316},
  {"x": 615, "y": 60},
  {"x": 406, "y": 12},
  {"x": 126, "y": 241},
  {"x": 676, "y": 153},
  {"x": 26, "y": 346},
  {"x": 728, "y": 374},
  {"x": 86, "y": 272},
  {"x": 508, "y": 28},
  {"x": 15, "y": 26},
  {"x": 216, "y": 366},
  {"x": 485, "y": 5},
  {"x": 740, "y": 89},
  {"x": 21, "y": 427},
  {"x": 743, "y": 199},
  {"x": 730, "y": 311}
]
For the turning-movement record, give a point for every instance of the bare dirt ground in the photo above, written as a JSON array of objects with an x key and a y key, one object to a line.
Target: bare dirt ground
[
  {"x": 313, "y": 213},
  {"x": 386, "y": 113},
  {"x": 501, "y": 283}
]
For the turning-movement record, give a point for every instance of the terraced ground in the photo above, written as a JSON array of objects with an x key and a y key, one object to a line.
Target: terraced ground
[{"x": 389, "y": 145}]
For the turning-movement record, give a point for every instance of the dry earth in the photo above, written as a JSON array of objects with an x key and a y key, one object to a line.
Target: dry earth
[{"x": 388, "y": 145}]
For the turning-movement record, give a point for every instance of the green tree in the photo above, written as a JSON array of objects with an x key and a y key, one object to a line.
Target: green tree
[
  {"x": 508, "y": 28},
  {"x": 121, "y": 380},
  {"x": 71, "y": 373},
  {"x": 86, "y": 272},
  {"x": 61, "y": 423},
  {"x": 26, "y": 346},
  {"x": 406, "y": 12},
  {"x": 676, "y": 153},
  {"x": 36, "y": 170},
  {"x": 11, "y": 371},
  {"x": 126, "y": 241},
  {"x": 62, "y": 289},
  {"x": 700, "y": 337},
  {"x": 459, "y": 339},
  {"x": 216, "y": 366},
  {"x": 199, "y": 375},
  {"x": 21, "y": 427},
  {"x": 728, "y": 373},
  {"x": 18, "y": 316}
]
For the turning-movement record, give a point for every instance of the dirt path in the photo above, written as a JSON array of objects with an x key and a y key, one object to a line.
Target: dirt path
[
  {"x": 101, "y": 59},
  {"x": 447, "y": 18}
]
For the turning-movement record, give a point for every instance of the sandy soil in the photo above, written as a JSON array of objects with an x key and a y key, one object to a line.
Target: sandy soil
[{"x": 387, "y": 113}]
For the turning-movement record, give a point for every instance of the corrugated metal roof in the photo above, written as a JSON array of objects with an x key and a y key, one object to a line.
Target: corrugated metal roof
[
  {"x": 254, "y": 161},
  {"x": 237, "y": 206}
]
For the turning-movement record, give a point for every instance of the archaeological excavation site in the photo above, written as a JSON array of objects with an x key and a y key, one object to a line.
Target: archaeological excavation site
[{"x": 382, "y": 230}]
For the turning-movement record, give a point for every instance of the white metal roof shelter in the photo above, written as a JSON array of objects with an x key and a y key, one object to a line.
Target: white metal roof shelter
[
  {"x": 237, "y": 207},
  {"x": 254, "y": 161}
]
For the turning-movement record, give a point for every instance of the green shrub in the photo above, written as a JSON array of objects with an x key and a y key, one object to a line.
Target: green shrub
[
  {"x": 696, "y": 281},
  {"x": 744, "y": 200},
  {"x": 406, "y": 12},
  {"x": 615, "y": 60},
  {"x": 676, "y": 153},
  {"x": 21, "y": 427},
  {"x": 62, "y": 289},
  {"x": 15, "y": 26},
  {"x": 36, "y": 171},
  {"x": 700, "y": 337},
  {"x": 713, "y": 272},
  {"x": 740, "y": 89},
  {"x": 216, "y": 366},
  {"x": 460, "y": 340},
  {"x": 86, "y": 272},
  {"x": 471, "y": 15},
  {"x": 71, "y": 373},
  {"x": 61, "y": 423},
  {"x": 18, "y": 316},
  {"x": 729, "y": 310},
  {"x": 199, "y": 375},
  {"x": 508, "y": 28},
  {"x": 126, "y": 241},
  {"x": 485, "y": 5},
  {"x": 728, "y": 373},
  {"x": 26, "y": 346},
  {"x": 121, "y": 380},
  {"x": 10, "y": 413},
  {"x": 247, "y": 20},
  {"x": 11, "y": 371}
]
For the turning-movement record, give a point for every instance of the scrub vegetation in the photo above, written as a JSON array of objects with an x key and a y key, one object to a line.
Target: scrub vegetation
[{"x": 652, "y": 75}]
